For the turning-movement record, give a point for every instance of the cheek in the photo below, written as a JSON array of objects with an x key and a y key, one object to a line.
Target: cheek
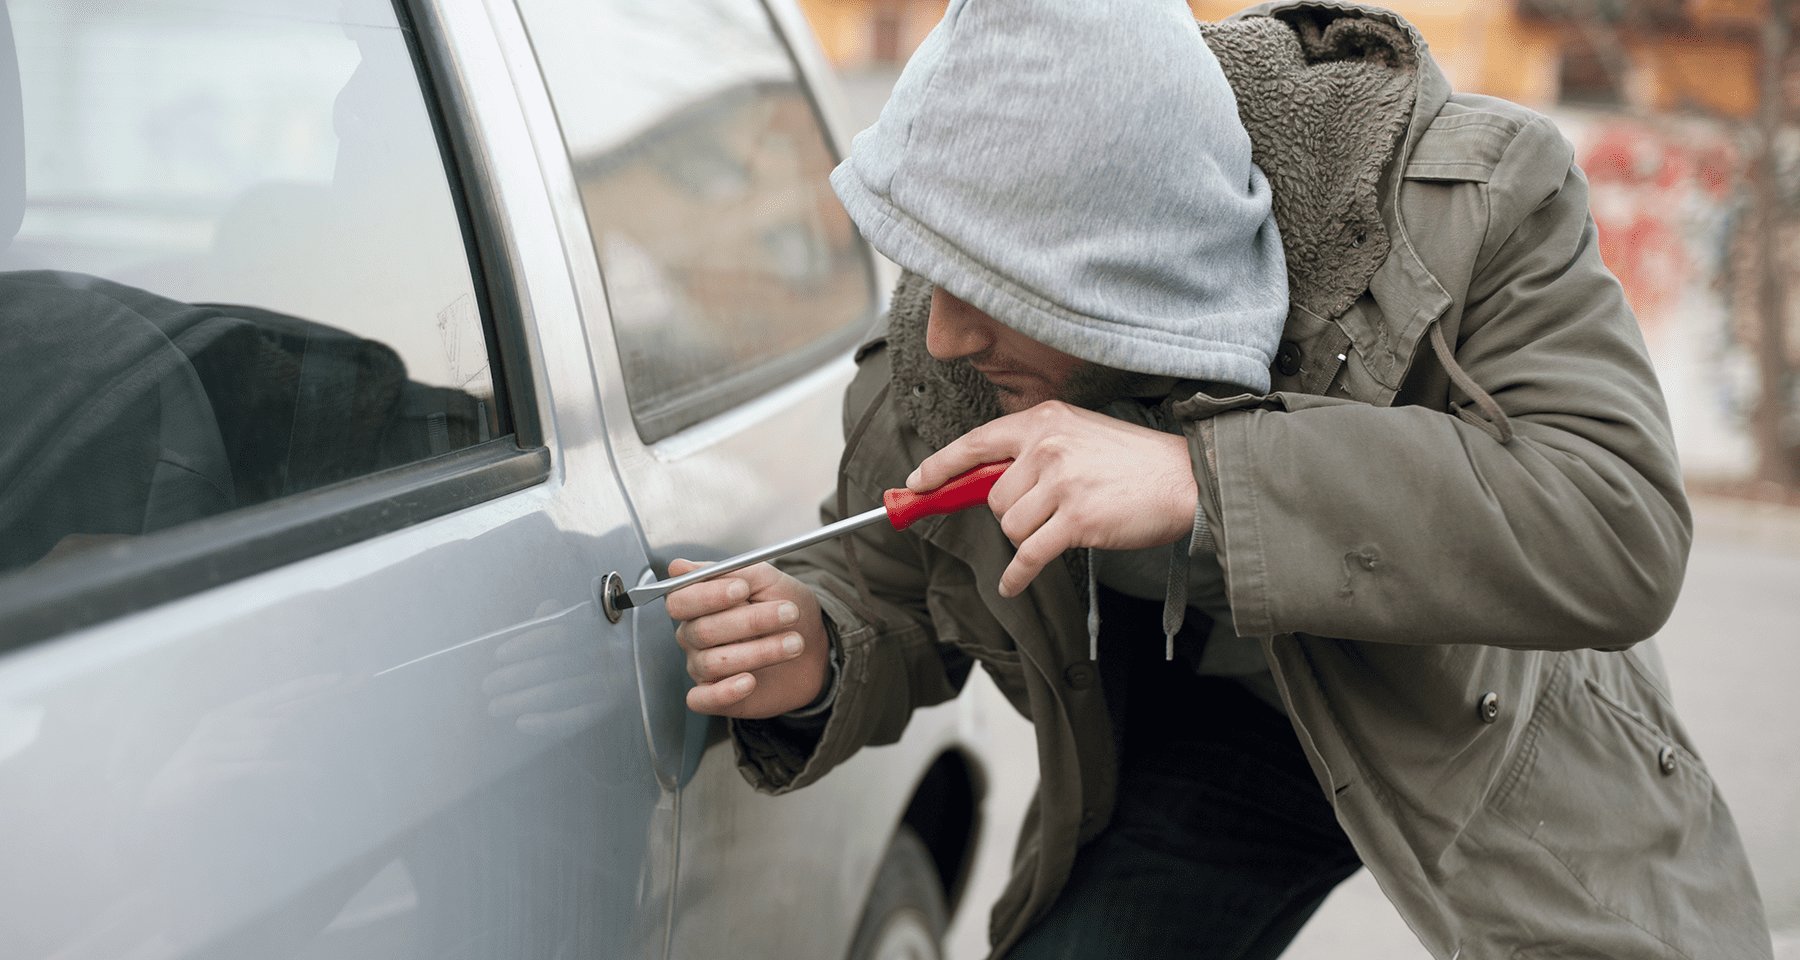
[{"x": 1058, "y": 370}]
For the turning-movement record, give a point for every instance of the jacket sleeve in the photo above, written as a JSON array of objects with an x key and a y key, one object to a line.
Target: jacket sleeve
[
  {"x": 891, "y": 662},
  {"x": 1410, "y": 525}
]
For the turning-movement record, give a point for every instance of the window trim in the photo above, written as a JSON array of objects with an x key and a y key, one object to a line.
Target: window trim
[
  {"x": 132, "y": 575},
  {"x": 83, "y": 590},
  {"x": 478, "y": 210}
]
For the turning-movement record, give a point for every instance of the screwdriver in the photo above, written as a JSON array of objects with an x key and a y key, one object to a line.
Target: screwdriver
[{"x": 900, "y": 508}]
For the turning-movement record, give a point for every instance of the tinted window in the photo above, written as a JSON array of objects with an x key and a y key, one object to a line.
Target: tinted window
[
  {"x": 729, "y": 265},
  {"x": 233, "y": 271}
]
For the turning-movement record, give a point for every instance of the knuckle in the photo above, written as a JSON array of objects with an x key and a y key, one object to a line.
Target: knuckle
[
  {"x": 712, "y": 665},
  {"x": 766, "y": 618},
  {"x": 700, "y": 634},
  {"x": 1013, "y": 527}
]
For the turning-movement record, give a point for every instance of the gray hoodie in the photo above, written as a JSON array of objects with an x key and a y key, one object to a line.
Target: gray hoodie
[{"x": 1077, "y": 170}]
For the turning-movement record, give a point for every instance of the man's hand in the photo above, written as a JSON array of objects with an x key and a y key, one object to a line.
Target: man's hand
[
  {"x": 1078, "y": 479},
  {"x": 755, "y": 642}
]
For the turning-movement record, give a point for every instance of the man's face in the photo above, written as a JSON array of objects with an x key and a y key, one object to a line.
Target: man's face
[{"x": 1023, "y": 371}]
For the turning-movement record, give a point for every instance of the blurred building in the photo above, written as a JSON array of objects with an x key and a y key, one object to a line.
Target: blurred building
[
  {"x": 1664, "y": 101},
  {"x": 1652, "y": 54}
]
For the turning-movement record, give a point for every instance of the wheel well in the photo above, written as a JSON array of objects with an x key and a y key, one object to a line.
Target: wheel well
[{"x": 944, "y": 813}]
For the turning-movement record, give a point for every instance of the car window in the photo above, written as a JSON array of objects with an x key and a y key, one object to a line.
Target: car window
[
  {"x": 233, "y": 270},
  {"x": 729, "y": 265}
]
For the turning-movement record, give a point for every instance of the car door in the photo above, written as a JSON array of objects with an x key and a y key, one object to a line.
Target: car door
[
  {"x": 304, "y": 504},
  {"x": 734, "y": 284},
  {"x": 724, "y": 290}
]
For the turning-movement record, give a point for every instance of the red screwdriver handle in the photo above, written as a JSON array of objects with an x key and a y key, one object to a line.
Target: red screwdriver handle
[{"x": 965, "y": 490}]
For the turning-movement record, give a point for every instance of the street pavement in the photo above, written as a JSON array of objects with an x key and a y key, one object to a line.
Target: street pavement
[{"x": 1733, "y": 653}]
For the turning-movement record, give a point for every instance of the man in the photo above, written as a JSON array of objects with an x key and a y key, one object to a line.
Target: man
[{"x": 1406, "y": 574}]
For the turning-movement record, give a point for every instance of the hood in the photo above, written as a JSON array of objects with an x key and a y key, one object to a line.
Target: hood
[
  {"x": 1078, "y": 171},
  {"x": 1327, "y": 93}
]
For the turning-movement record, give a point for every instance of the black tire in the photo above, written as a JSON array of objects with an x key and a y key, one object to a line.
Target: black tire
[{"x": 905, "y": 917}]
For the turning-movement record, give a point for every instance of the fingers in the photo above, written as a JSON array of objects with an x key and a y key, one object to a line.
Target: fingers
[
  {"x": 995, "y": 440},
  {"x": 706, "y": 597},
  {"x": 1038, "y": 550},
  {"x": 1020, "y": 478},
  {"x": 1023, "y": 518},
  {"x": 719, "y": 698},
  {"x": 745, "y": 636},
  {"x": 742, "y": 622},
  {"x": 712, "y": 596},
  {"x": 718, "y": 663}
]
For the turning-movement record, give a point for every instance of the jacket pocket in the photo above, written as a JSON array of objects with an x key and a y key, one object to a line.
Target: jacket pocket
[
  {"x": 961, "y": 621},
  {"x": 1004, "y": 667},
  {"x": 1623, "y": 807}
]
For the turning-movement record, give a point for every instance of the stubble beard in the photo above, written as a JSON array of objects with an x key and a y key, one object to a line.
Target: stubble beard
[
  {"x": 1092, "y": 386},
  {"x": 1089, "y": 386}
]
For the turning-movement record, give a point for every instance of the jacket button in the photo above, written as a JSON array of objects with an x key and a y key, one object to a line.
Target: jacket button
[
  {"x": 1665, "y": 760},
  {"x": 1079, "y": 676},
  {"x": 1489, "y": 707},
  {"x": 1287, "y": 359}
]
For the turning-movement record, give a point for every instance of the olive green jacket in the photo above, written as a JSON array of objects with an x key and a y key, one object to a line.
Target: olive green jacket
[{"x": 1454, "y": 522}]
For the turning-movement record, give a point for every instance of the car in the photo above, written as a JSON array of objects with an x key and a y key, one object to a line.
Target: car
[{"x": 350, "y": 350}]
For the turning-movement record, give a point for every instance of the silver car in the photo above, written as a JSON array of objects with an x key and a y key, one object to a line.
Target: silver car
[{"x": 346, "y": 348}]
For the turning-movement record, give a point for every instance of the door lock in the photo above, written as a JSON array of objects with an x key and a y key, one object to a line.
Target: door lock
[{"x": 612, "y": 596}]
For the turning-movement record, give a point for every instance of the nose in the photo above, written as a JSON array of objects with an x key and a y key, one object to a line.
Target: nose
[{"x": 955, "y": 328}]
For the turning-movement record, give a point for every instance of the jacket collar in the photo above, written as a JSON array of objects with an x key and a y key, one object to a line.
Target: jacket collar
[{"x": 1408, "y": 293}]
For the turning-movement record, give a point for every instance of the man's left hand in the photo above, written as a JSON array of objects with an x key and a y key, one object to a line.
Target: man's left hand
[{"x": 1078, "y": 479}]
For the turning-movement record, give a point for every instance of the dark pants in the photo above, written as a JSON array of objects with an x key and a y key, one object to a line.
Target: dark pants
[{"x": 1221, "y": 845}]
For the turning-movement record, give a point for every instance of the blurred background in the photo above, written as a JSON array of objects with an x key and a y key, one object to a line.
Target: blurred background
[{"x": 1684, "y": 115}]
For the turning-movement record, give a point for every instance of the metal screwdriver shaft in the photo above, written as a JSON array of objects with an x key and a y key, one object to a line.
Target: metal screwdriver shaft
[
  {"x": 900, "y": 509},
  {"x": 638, "y": 596}
]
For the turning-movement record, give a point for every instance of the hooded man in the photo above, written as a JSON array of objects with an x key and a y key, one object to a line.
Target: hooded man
[{"x": 1330, "y": 545}]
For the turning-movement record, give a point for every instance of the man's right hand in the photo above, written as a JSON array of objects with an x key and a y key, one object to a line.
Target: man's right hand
[{"x": 755, "y": 642}]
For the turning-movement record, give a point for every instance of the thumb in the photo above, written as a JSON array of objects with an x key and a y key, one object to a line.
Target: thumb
[{"x": 679, "y": 566}]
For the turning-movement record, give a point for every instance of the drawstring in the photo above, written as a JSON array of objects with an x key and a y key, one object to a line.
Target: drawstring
[
  {"x": 865, "y": 597},
  {"x": 1496, "y": 423},
  {"x": 1093, "y": 598},
  {"x": 1175, "y": 596},
  {"x": 1174, "y": 611}
]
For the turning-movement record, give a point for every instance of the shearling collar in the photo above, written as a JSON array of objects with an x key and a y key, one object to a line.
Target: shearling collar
[
  {"x": 1327, "y": 92},
  {"x": 1326, "y": 95}
]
